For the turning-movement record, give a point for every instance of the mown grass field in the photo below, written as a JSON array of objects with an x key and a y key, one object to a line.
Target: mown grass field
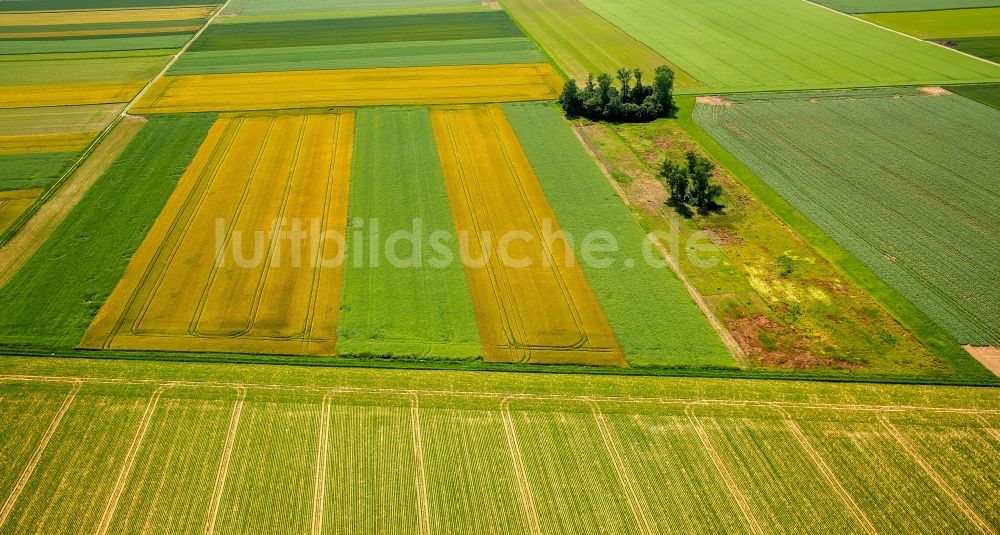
[
  {"x": 581, "y": 42},
  {"x": 422, "y": 308},
  {"x": 99, "y": 236},
  {"x": 890, "y": 6},
  {"x": 773, "y": 45},
  {"x": 812, "y": 153},
  {"x": 654, "y": 317},
  {"x": 953, "y": 23},
  {"x": 328, "y": 451}
]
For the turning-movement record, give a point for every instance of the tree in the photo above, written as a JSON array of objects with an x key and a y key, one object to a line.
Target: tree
[
  {"x": 677, "y": 180},
  {"x": 570, "y": 99},
  {"x": 663, "y": 89},
  {"x": 625, "y": 81},
  {"x": 604, "y": 88},
  {"x": 691, "y": 183}
]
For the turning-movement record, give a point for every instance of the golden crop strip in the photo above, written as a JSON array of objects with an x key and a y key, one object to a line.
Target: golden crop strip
[
  {"x": 45, "y": 143},
  {"x": 196, "y": 286},
  {"x": 542, "y": 313},
  {"x": 351, "y": 87},
  {"x": 32, "y": 96},
  {"x": 97, "y": 32},
  {"x": 99, "y": 16},
  {"x": 14, "y": 203}
]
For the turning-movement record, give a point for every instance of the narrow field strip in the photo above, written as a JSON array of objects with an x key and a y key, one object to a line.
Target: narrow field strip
[
  {"x": 423, "y": 509},
  {"x": 99, "y": 32},
  {"x": 952, "y": 23},
  {"x": 36, "y": 230},
  {"x": 351, "y": 87},
  {"x": 222, "y": 473},
  {"x": 624, "y": 476},
  {"x": 543, "y": 310},
  {"x": 43, "y": 18},
  {"x": 57, "y": 119},
  {"x": 322, "y": 453},
  {"x": 45, "y": 142},
  {"x": 415, "y": 307},
  {"x": 183, "y": 291},
  {"x": 524, "y": 492},
  {"x": 30, "y": 96}
]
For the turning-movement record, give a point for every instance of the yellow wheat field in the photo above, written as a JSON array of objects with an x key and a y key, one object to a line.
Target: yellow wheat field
[
  {"x": 45, "y": 143},
  {"x": 99, "y": 16},
  {"x": 32, "y": 96},
  {"x": 542, "y": 313},
  {"x": 98, "y": 32},
  {"x": 14, "y": 203},
  {"x": 181, "y": 293},
  {"x": 351, "y": 87}
]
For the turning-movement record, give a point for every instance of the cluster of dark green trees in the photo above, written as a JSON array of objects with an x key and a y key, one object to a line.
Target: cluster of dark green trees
[
  {"x": 632, "y": 101},
  {"x": 690, "y": 183}
]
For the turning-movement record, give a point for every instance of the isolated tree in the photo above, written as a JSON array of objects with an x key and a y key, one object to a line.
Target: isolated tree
[
  {"x": 677, "y": 181},
  {"x": 691, "y": 183},
  {"x": 630, "y": 101},
  {"x": 663, "y": 89}
]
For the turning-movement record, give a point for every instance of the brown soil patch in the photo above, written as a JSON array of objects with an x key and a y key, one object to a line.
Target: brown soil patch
[
  {"x": 934, "y": 91},
  {"x": 747, "y": 332},
  {"x": 648, "y": 194},
  {"x": 987, "y": 356},
  {"x": 491, "y": 5},
  {"x": 714, "y": 101}
]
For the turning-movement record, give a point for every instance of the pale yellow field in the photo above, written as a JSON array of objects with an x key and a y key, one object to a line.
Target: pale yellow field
[
  {"x": 14, "y": 203},
  {"x": 96, "y": 32},
  {"x": 97, "y": 16},
  {"x": 179, "y": 293},
  {"x": 45, "y": 143},
  {"x": 351, "y": 87},
  {"x": 542, "y": 313},
  {"x": 30, "y": 96}
]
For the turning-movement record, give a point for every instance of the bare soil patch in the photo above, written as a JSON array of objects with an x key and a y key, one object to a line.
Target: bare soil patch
[
  {"x": 987, "y": 356},
  {"x": 714, "y": 101},
  {"x": 934, "y": 91}
]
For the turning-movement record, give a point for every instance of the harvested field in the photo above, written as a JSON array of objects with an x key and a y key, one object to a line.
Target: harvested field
[
  {"x": 14, "y": 203},
  {"x": 351, "y": 87},
  {"x": 46, "y": 304},
  {"x": 432, "y": 27},
  {"x": 104, "y": 16},
  {"x": 366, "y": 55},
  {"x": 532, "y": 301},
  {"x": 35, "y": 231},
  {"x": 889, "y": 6},
  {"x": 45, "y": 143},
  {"x": 185, "y": 290},
  {"x": 912, "y": 196},
  {"x": 29, "y": 96},
  {"x": 581, "y": 42},
  {"x": 951, "y": 23},
  {"x": 654, "y": 318},
  {"x": 414, "y": 307},
  {"x": 772, "y": 45}
]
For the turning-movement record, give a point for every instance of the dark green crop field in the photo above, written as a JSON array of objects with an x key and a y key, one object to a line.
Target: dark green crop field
[{"x": 436, "y": 27}]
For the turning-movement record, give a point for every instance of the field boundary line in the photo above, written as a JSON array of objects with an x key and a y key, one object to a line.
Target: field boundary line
[
  {"x": 223, "y": 472},
  {"x": 830, "y": 476},
  {"x": 36, "y": 456},
  {"x": 727, "y": 338},
  {"x": 423, "y": 508},
  {"x": 969, "y": 512},
  {"x": 631, "y": 493},
  {"x": 727, "y": 478},
  {"x": 324, "y": 437},
  {"x": 140, "y": 434},
  {"x": 503, "y": 395},
  {"x": 850, "y": 16},
  {"x": 520, "y": 474}
]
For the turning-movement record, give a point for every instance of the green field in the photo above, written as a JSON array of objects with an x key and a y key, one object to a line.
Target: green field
[
  {"x": 988, "y": 94},
  {"x": 950, "y": 23},
  {"x": 581, "y": 42},
  {"x": 56, "y": 119},
  {"x": 52, "y": 5},
  {"x": 47, "y": 304},
  {"x": 36, "y": 170},
  {"x": 270, "y": 7},
  {"x": 392, "y": 29},
  {"x": 365, "y": 55},
  {"x": 890, "y": 6},
  {"x": 783, "y": 45},
  {"x": 423, "y": 310},
  {"x": 81, "y": 71},
  {"x": 378, "y": 451},
  {"x": 984, "y": 47},
  {"x": 654, "y": 318},
  {"x": 912, "y": 196},
  {"x": 106, "y": 44}
]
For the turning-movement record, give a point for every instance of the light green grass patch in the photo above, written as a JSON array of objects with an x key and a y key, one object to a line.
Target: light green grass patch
[
  {"x": 107, "y": 44},
  {"x": 656, "y": 321},
  {"x": 889, "y": 6},
  {"x": 35, "y": 170},
  {"x": 408, "y": 54},
  {"x": 81, "y": 71},
  {"x": 982, "y": 22},
  {"x": 47, "y": 304},
  {"x": 783, "y": 45},
  {"x": 416, "y": 308},
  {"x": 911, "y": 194},
  {"x": 581, "y": 42},
  {"x": 57, "y": 119}
]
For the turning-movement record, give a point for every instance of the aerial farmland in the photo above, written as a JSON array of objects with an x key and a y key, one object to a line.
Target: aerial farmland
[{"x": 505, "y": 267}]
